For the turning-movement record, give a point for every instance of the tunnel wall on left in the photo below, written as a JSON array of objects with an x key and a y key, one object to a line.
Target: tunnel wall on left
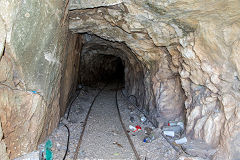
[{"x": 33, "y": 56}]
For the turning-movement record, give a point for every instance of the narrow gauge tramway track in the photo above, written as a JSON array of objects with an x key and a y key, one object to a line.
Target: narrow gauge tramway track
[{"x": 120, "y": 118}]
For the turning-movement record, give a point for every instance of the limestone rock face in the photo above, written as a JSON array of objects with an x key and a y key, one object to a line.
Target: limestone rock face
[
  {"x": 3, "y": 37},
  {"x": 71, "y": 62},
  {"x": 202, "y": 41},
  {"x": 30, "y": 71},
  {"x": 3, "y": 154},
  {"x": 182, "y": 62}
]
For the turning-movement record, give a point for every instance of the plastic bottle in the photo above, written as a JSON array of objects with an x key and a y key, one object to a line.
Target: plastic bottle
[
  {"x": 132, "y": 128},
  {"x": 143, "y": 119},
  {"x": 181, "y": 141},
  {"x": 149, "y": 139}
]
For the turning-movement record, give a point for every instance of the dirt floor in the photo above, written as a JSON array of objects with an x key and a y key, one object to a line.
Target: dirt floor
[{"x": 104, "y": 137}]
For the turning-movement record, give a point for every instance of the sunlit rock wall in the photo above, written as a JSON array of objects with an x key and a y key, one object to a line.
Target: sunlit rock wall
[
  {"x": 186, "y": 48},
  {"x": 30, "y": 71}
]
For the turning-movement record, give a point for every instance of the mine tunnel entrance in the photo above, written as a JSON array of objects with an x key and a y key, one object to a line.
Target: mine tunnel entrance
[
  {"x": 105, "y": 113},
  {"x": 171, "y": 68},
  {"x": 101, "y": 68}
]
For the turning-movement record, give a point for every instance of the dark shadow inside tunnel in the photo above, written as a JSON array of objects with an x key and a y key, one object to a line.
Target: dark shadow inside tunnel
[{"x": 101, "y": 68}]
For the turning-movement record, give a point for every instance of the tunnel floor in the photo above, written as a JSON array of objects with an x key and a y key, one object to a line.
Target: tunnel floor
[{"x": 104, "y": 137}]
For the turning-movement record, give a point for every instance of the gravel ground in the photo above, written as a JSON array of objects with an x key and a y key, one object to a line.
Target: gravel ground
[
  {"x": 158, "y": 149},
  {"x": 77, "y": 115},
  {"x": 104, "y": 137}
]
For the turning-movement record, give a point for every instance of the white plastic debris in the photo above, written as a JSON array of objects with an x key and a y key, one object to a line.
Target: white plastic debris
[
  {"x": 132, "y": 127},
  {"x": 143, "y": 119},
  {"x": 169, "y": 133},
  {"x": 172, "y": 123},
  {"x": 181, "y": 141},
  {"x": 181, "y": 124},
  {"x": 176, "y": 129}
]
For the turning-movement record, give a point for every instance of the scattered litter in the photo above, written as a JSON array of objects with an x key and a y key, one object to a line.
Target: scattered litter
[
  {"x": 149, "y": 139},
  {"x": 48, "y": 146},
  {"x": 34, "y": 92},
  {"x": 138, "y": 128},
  {"x": 132, "y": 128},
  {"x": 181, "y": 124},
  {"x": 119, "y": 145},
  {"x": 169, "y": 133},
  {"x": 181, "y": 141},
  {"x": 132, "y": 119},
  {"x": 135, "y": 129},
  {"x": 143, "y": 119},
  {"x": 199, "y": 148},
  {"x": 148, "y": 130},
  {"x": 176, "y": 123},
  {"x": 172, "y": 123},
  {"x": 176, "y": 129}
]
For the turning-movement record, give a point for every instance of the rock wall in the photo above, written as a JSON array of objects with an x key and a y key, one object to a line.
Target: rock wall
[
  {"x": 3, "y": 153},
  {"x": 33, "y": 37},
  {"x": 71, "y": 63},
  {"x": 100, "y": 22},
  {"x": 203, "y": 41},
  {"x": 95, "y": 46},
  {"x": 175, "y": 50}
]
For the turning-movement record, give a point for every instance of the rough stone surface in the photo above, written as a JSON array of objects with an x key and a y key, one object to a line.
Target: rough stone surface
[
  {"x": 179, "y": 44},
  {"x": 71, "y": 63},
  {"x": 3, "y": 153},
  {"x": 91, "y": 63},
  {"x": 200, "y": 37},
  {"x": 30, "y": 72},
  {"x": 3, "y": 36}
]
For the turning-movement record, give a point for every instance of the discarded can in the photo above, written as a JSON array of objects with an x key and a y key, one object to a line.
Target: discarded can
[
  {"x": 148, "y": 130},
  {"x": 132, "y": 127},
  {"x": 169, "y": 133},
  {"x": 176, "y": 129},
  {"x": 143, "y": 119},
  {"x": 132, "y": 119},
  {"x": 137, "y": 128},
  {"x": 175, "y": 123},
  {"x": 149, "y": 139},
  {"x": 172, "y": 123},
  {"x": 181, "y": 141}
]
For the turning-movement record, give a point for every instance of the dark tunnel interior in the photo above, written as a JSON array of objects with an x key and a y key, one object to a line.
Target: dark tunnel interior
[{"x": 102, "y": 68}]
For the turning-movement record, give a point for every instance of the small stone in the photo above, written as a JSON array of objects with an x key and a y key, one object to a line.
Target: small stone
[{"x": 27, "y": 15}]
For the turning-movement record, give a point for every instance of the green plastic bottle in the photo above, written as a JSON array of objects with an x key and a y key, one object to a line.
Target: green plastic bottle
[{"x": 48, "y": 146}]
